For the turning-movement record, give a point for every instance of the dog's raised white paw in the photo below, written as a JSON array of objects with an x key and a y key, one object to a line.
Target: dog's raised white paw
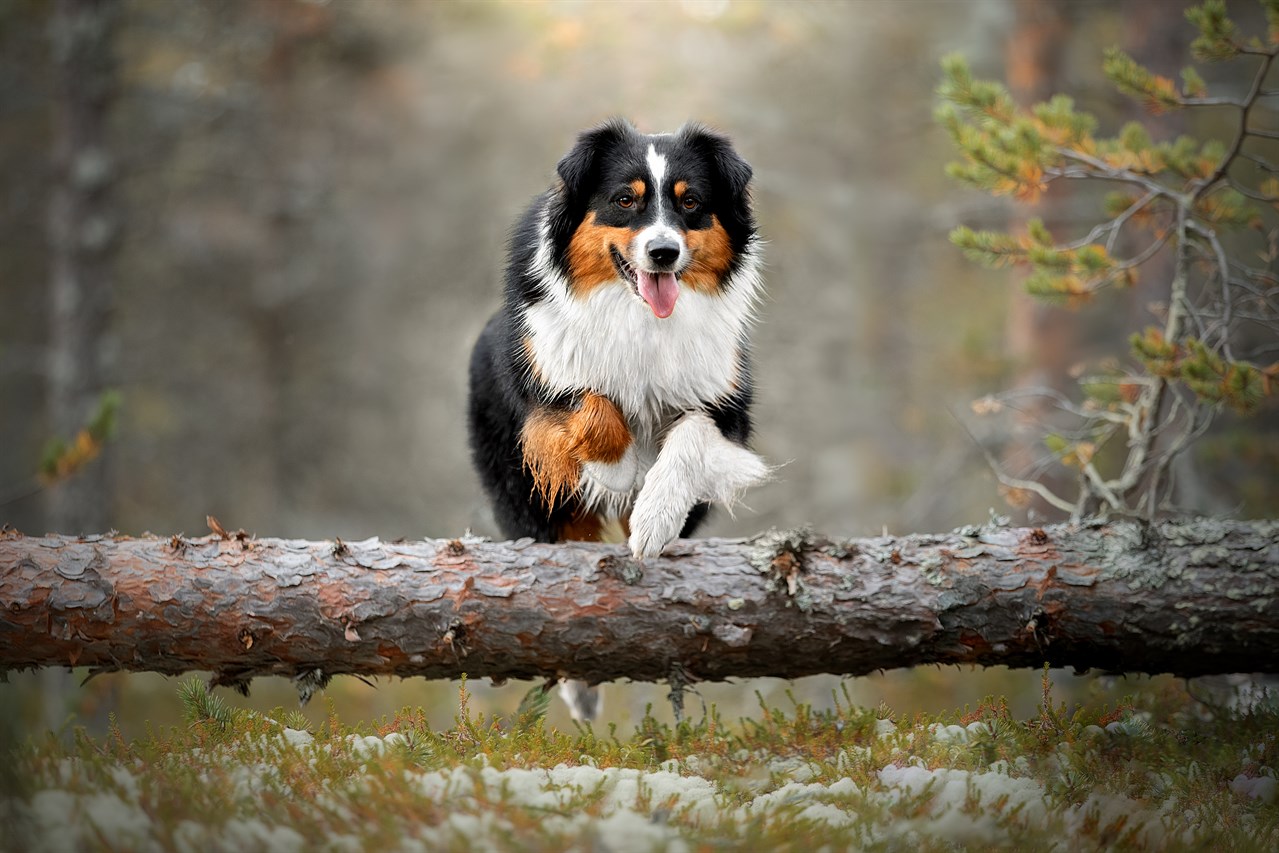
[
  {"x": 696, "y": 463},
  {"x": 655, "y": 523}
]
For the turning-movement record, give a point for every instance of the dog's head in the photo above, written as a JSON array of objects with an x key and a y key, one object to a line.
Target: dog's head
[{"x": 655, "y": 214}]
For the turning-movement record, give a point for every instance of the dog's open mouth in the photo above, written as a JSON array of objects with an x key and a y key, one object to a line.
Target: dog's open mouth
[
  {"x": 658, "y": 289},
  {"x": 624, "y": 267}
]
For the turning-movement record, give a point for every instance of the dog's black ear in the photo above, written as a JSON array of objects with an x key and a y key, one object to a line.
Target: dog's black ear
[
  {"x": 579, "y": 165},
  {"x": 732, "y": 172},
  {"x": 576, "y": 171}
]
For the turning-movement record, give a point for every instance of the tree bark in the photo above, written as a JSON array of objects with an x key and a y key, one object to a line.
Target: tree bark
[{"x": 1191, "y": 598}]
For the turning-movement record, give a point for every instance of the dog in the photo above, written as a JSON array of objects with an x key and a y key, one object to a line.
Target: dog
[{"x": 610, "y": 395}]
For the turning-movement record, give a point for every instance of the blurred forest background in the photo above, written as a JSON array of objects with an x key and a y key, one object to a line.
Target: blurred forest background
[{"x": 288, "y": 220}]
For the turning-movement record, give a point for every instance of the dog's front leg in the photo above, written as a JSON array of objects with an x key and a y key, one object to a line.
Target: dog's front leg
[
  {"x": 602, "y": 440},
  {"x": 560, "y": 446},
  {"x": 696, "y": 463}
]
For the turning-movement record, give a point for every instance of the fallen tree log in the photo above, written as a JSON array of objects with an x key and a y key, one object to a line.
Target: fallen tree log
[{"x": 1189, "y": 597}]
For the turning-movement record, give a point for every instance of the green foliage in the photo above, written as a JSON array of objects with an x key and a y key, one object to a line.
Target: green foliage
[
  {"x": 1178, "y": 198},
  {"x": 61, "y": 458},
  {"x": 1072, "y": 453},
  {"x": 534, "y": 705},
  {"x": 202, "y": 708},
  {"x": 1058, "y": 272},
  {"x": 1159, "y": 356},
  {"x": 1006, "y": 150},
  {"x": 295, "y": 719},
  {"x": 1217, "y": 33},
  {"x": 1272, "y": 18},
  {"x": 1228, "y": 208},
  {"x": 1192, "y": 84},
  {"x": 992, "y": 248},
  {"x": 1214, "y": 378},
  {"x": 1157, "y": 93}
]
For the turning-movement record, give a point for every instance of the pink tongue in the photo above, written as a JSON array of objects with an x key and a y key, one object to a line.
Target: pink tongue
[{"x": 659, "y": 290}]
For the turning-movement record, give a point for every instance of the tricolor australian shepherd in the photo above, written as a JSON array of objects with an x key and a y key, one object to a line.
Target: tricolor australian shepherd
[{"x": 611, "y": 393}]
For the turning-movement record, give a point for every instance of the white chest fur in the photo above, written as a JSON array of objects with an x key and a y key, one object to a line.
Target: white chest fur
[
  {"x": 654, "y": 369},
  {"x": 609, "y": 342}
]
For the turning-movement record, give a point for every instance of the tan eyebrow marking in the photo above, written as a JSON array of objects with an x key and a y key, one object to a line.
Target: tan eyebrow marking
[
  {"x": 638, "y": 187},
  {"x": 681, "y": 187}
]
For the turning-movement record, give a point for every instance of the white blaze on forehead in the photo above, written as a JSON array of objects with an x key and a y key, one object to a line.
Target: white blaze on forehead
[
  {"x": 657, "y": 168},
  {"x": 660, "y": 229}
]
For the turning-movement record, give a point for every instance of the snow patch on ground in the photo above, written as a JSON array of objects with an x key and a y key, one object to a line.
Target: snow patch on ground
[
  {"x": 1263, "y": 788},
  {"x": 961, "y": 805},
  {"x": 627, "y": 810},
  {"x": 298, "y": 738}
]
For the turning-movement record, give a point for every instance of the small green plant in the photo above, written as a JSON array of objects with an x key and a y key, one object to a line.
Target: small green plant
[
  {"x": 1210, "y": 204},
  {"x": 534, "y": 705},
  {"x": 202, "y": 708}
]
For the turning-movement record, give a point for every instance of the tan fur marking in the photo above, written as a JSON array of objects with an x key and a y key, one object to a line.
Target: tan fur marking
[
  {"x": 548, "y": 454},
  {"x": 598, "y": 430},
  {"x": 582, "y": 527},
  {"x": 711, "y": 254},
  {"x": 681, "y": 187},
  {"x": 638, "y": 187},
  {"x": 589, "y": 261},
  {"x": 556, "y": 443}
]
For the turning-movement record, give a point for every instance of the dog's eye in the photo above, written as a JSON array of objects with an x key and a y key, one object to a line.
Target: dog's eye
[
  {"x": 625, "y": 201},
  {"x": 690, "y": 203}
]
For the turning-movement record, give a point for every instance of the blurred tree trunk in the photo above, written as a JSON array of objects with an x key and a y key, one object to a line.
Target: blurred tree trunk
[
  {"x": 83, "y": 223},
  {"x": 82, "y": 227},
  {"x": 1187, "y": 597},
  {"x": 1042, "y": 339}
]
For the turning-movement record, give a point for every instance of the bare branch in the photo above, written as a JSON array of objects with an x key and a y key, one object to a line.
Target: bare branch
[
  {"x": 1211, "y": 102},
  {"x": 1049, "y": 496},
  {"x": 1145, "y": 255},
  {"x": 1102, "y": 169},
  {"x": 1142, "y": 429},
  {"x": 1260, "y": 161},
  {"x": 1249, "y": 100},
  {"x": 1113, "y": 226},
  {"x": 1252, "y": 194},
  {"x": 1223, "y": 270}
]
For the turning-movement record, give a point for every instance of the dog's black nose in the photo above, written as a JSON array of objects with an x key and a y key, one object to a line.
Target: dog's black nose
[{"x": 663, "y": 252}]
